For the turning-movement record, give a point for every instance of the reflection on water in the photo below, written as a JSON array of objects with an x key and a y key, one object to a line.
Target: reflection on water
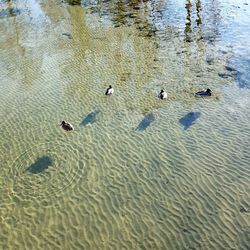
[
  {"x": 82, "y": 2},
  {"x": 198, "y": 10},
  {"x": 161, "y": 187},
  {"x": 143, "y": 15},
  {"x": 8, "y": 9},
  {"x": 10, "y": 12},
  {"x": 74, "y": 2},
  {"x": 191, "y": 14}
]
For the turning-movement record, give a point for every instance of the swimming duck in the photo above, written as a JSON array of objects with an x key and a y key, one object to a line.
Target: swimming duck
[
  {"x": 109, "y": 90},
  {"x": 163, "y": 94},
  {"x": 208, "y": 92},
  {"x": 66, "y": 126}
]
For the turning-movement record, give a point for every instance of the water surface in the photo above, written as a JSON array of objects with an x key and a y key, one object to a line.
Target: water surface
[{"x": 137, "y": 172}]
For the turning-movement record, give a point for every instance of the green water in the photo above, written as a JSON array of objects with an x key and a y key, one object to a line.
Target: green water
[{"x": 137, "y": 172}]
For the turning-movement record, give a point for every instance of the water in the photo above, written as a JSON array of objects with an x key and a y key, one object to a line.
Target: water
[{"x": 137, "y": 172}]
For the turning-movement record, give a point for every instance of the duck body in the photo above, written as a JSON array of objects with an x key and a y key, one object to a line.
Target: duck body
[
  {"x": 109, "y": 90},
  {"x": 67, "y": 126},
  {"x": 163, "y": 94},
  {"x": 206, "y": 93}
]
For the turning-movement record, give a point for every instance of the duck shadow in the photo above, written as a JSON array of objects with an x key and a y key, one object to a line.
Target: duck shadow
[
  {"x": 189, "y": 119},
  {"x": 40, "y": 165},
  {"x": 90, "y": 118},
  {"x": 146, "y": 121}
]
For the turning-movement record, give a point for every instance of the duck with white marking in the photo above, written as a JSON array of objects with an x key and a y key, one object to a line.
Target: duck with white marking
[
  {"x": 163, "y": 94},
  {"x": 109, "y": 90},
  {"x": 67, "y": 126}
]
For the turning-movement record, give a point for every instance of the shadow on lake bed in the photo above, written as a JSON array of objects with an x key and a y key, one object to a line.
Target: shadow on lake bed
[
  {"x": 90, "y": 118},
  {"x": 40, "y": 165},
  {"x": 146, "y": 121},
  {"x": 189, "y": 119}
]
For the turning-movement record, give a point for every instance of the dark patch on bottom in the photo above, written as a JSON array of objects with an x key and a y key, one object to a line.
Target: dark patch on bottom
[
  {"x": 244, "y": 210},
  {"x": 242, "y": 79},
  {"x": 209, "y": 60},
  {"x": 67, "y": 34},
  {"x": 90, "y": 118},
  {"x": 189, "y": 119},
  {"x": 225, "y": 75},
  {"x": 147, "y": 120},
  {"x": 40, "y": 165},
  {"x": 10, "y": 12}
]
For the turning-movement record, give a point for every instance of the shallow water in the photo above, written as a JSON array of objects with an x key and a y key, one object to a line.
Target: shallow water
[{"x": 137, "y": 172}]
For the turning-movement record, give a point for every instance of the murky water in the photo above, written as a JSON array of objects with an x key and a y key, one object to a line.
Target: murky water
[{"x": 138, "y": 172}]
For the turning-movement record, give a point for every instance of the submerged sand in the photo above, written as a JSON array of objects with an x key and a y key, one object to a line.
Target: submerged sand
[{"x": 137, "y": 172}]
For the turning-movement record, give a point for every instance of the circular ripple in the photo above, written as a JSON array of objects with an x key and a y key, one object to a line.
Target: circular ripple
[{"x": 46, "y": 170}]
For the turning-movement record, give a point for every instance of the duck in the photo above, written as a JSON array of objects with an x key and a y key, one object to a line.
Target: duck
[
  {"x": 67, "y": 126},
  {"x": 208, "y": 92},
  {"x": 163, "y": 94},
  {"x": 109, "y": 90}
]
